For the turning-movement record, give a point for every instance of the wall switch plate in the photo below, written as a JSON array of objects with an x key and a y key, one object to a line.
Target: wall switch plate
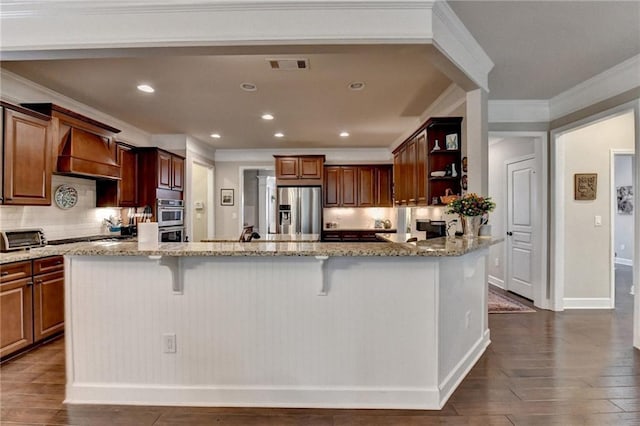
[
  {"x": 169, "y": 343},
  {"x": 497, "y": 261},
  {"x": 598, "y": 220},
  {"x": 467, "y": 319}
]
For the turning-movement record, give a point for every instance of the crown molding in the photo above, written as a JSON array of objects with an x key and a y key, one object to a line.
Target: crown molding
[
  {"x": 453, "y": 39},
  {"x": 45, "y": 8},
  {"x": 616, "y": 80},
  {"x": 332, "y": 155},
  {"x": 519, "y": 111}
]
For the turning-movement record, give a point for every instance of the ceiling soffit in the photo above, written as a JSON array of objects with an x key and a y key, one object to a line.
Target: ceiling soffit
[{"x": 29, "y": 32}]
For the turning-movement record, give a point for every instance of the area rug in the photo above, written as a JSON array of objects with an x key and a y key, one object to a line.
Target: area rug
[{"x": 502, "y": 304}]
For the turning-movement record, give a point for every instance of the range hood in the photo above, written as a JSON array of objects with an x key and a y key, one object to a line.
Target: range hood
[
  {"x": 86, "y": 147},
  {"x": 86, "y": 154}
]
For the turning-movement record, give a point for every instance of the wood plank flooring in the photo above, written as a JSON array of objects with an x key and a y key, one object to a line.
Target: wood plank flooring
[{"x": 543, "y": 368}]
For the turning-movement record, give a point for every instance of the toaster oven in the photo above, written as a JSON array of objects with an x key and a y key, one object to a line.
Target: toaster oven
[{"x": 21, "y": 239}]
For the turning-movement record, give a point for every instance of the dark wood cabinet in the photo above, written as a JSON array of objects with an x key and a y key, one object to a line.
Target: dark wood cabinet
[
  {"x": 354, "y": 236},
  {"x": 341, "y": 186},
  {"x": 123, "y": 192},
  {"x": 177, "y": 173},
  {"x": 164, "y": 170},
  {"x": 16, "y": 300},
  {"x": 48, "y": 297},
  {"x": 32, "y": 303},
  {"x": 299, "y": 170},
  {"x": 358, "y": 186},
  {"x": 28, "y": 156},
  {"x": 417, "y": 157}
]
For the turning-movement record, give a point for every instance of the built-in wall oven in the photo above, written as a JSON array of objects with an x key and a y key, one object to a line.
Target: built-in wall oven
[
  {"x": 170, "y": 212},
  {"x": 171, "y": 234}
]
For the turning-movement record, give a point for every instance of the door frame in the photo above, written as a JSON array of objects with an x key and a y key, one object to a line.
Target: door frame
[
  {"x": 612, "y": 232},
  {"x": 557, "y": 271},
  {"x": 542, "y": 295},
  {"x": 240, "y": 196},
  {"x": 537, "y": 279},
  {"x": 211, "y": 223}
]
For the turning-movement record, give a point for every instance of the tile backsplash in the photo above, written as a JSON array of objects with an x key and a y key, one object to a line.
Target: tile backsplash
[
  {"x": 358, "y": 218},
  {"x": 81, "y": 220}
]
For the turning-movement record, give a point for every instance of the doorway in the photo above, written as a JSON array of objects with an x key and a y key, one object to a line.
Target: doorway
[
  {"x": 622, "y": 222},
  {"x": 517, "y": 183},
  {"x": 202, "y": 216},
  {"x": 257, "y": 201}
]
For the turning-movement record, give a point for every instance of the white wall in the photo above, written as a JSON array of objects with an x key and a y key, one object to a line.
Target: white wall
[
  {"x": 82, "y": 220},
  {"x": 199, "y": 187},
  {"x": 501, "y": 150},
  {"x": 624, "y": 229},
  {"x": 586, "y": 247}
]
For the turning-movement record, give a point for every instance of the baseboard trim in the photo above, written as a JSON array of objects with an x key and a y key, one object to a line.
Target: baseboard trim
[
  {"x": 587, "y": 303},
  {"x": 623, "y": 261},
  {"x": 460, "y": 371},
  {"x": 256, "y": 396},
  {"x": 493, "y": 280}
]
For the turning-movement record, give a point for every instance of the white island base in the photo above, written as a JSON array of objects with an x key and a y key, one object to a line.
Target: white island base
[{"x": 279, "y": 331}]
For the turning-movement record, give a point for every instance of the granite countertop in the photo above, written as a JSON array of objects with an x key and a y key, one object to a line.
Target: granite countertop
[
  {"x": 376, "y": 230},
  {"x": 436, "y": 247}
]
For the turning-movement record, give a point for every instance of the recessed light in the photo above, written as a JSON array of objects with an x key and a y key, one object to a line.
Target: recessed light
[
  {"x": 279, "y": 135},
  {"x": 344, "y": 134},
  {"x": 248, "y": 87},
  {"x": 267, "y": 117},
  {"x": 215, "y": 135},
  {"x": 146, "y": 88},
  {"x": 356, "y": 85}
]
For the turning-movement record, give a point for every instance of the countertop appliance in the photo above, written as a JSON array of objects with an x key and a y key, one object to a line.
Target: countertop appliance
[
  {"x": 21, "y": 239},
  {"x": 171, "y": 234},
  {"x": 433, "y": 228},
  {"x": 299, "y": 210}
]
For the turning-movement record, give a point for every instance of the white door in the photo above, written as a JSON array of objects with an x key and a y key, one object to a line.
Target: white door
[{"x": 521, "y": 202}]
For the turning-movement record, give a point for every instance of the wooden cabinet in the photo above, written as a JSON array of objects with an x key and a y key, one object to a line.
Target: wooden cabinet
[
  {"x": 415, "y": 160},
  {"x": 299, "y": 170},
  {"x": 16, "y": 315},
  {"x": 357, "y": 186},
  {"x": 123, "y": 192},
  {"x": 48, "y": 297},
  {"x": 341, "y": 186},
  {"x": 32, "y": 302},
  {"x": 170, "y": 171},
  {"x": 354, "y": 236},
  {"x": 160, "y": 175},
  {"x": 28, "y": 156},
  {"x": 177, "y": 173}
]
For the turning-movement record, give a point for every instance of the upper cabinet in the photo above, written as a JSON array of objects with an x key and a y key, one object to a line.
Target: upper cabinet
[
  {"x": 160, "y": 175},
  {"x": 27, "y": 165},
  {"x": 299, "y": 170},
  {"x": 428, "y": 163},
  {"x": 123, "y": 192},
  {"x": 357, "y": 186}
]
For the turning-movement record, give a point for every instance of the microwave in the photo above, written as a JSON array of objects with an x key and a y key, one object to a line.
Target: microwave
[
  {"x": 171, "y": 234},
  {"x": 170, "y": 212}
]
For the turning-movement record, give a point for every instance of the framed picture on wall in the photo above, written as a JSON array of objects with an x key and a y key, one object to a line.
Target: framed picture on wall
[
  {"x": 625, "y": 199},
  {"x": 226, "y": 197},
  {"x": 585, "y": 186}
]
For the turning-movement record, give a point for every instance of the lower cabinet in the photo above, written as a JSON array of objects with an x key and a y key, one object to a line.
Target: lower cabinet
[
  {"x": 353, "y": 236},
  {"x": 32, "y": 302}
]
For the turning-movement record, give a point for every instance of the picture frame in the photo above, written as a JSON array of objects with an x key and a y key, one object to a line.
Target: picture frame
[
  {"x": 625, "y": 199},
  {"x": 226, "y": 197},
  {"x": 585, "y": 186},
  {"x": 451, "y": 142}
]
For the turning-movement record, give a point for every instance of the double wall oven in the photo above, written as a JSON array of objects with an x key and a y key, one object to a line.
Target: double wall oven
[{"x": 170, "y": 221}]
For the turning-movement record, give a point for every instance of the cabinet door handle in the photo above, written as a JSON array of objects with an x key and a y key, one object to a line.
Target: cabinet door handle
[
  {"x": 5, "y": 273},
  {"x": 38, "y": 282},
  {"x": 30, "y": 283},
  {"x": 59, "y": 262}
]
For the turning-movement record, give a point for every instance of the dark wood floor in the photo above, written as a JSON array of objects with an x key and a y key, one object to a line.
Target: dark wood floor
[{"x": 571, "y": 368}]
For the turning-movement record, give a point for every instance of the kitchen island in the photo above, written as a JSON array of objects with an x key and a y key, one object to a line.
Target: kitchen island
[{"x": 274, "y": 324}]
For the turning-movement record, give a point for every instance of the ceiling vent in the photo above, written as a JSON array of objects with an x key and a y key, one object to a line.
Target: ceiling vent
[{"x": 287, "y": 64}]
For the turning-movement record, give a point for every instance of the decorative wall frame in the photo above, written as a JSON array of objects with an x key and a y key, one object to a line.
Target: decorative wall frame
[
  {"x": 226, "y": 197},
  {"x": 585, "y": 186},
  {"x": 625, "y": 199}
]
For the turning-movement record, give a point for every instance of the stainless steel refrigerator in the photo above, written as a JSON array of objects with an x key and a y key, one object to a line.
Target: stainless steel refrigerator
[{"x": 299, "y": 210}]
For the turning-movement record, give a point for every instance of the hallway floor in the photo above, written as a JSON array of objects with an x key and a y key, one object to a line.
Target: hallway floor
[{"x": 543, "y": 368}]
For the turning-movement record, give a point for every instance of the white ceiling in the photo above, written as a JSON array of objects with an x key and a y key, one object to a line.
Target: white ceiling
[{"x": 540, "y": 49}]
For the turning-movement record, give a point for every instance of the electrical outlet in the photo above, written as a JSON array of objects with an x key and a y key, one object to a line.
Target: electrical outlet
[
  {"x": 169, "y": 343},
  {"x": 467, "y": 319},
  {"x": 496, "y": 262}
]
